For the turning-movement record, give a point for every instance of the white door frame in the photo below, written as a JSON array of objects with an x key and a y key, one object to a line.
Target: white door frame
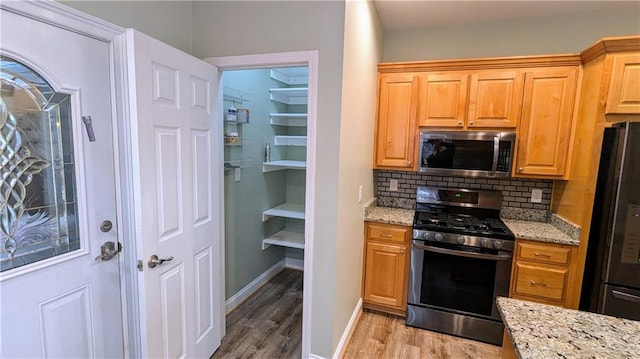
[{"x": 284, "y": 59}]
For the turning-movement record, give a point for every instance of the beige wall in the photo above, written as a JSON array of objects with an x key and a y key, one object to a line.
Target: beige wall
[
  {"x": 362, "y": 52},
  {"x": 225, "y": 28},
  {"x": 168, "y": 21},
  {"x": 569, "y": 33}
]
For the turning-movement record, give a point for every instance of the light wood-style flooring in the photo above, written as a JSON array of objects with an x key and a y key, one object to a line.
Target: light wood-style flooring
[
  {"x": 386, "y": 337},
  {"x": 268, "y": 325}
]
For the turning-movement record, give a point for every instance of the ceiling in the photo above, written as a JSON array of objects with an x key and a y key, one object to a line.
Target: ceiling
[{"x": 410, "y": 14}]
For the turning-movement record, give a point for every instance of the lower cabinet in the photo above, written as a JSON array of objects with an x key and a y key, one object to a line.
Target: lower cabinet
[
  {"x": 386, "y": 267},
  {"x": 541, "y": 271}
]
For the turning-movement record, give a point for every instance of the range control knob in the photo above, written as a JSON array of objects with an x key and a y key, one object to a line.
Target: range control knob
[
  {"x": 461, "y": 240},
  {"x": 498, "y": 244},
  {"x": 438, "y": 237},
  {"x": 485, "y": 243},
  {"x": 426, "y": 235}
]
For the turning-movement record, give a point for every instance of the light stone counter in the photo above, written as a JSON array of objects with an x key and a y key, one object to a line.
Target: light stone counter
[
  {"x": 402, "y": 217},
  {"x": 539, "y": 231},
  {"x": 540, "y": 331}
]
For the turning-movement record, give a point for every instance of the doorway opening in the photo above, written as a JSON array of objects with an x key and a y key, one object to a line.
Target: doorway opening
[{"x": 268, "y": 103}]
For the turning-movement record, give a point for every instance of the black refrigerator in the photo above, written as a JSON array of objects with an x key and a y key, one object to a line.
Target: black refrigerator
[{"x": 611, "y": 282}]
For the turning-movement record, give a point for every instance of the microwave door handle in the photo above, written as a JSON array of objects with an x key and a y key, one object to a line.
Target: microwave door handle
[
  {"x": 496, "y": 153},
  {"x": 454, "y": 252}
]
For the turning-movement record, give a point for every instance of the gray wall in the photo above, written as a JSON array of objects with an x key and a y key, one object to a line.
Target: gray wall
[
  {"x": 362, "y": 52},
  {"x": 167, "y": 21},
  {"x": 568, "y": 33},
  {"x": 224, "y": 28}
]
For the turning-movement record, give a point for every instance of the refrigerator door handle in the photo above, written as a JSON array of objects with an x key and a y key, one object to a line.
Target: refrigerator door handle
[{"x": 626, "y": 296}]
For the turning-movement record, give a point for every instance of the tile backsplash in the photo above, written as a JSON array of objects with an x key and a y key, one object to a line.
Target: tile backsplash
[{"x": 516, "y": 191}]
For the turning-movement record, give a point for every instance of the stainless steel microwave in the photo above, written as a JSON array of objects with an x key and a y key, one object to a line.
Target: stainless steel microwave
[{"x": 469, "y": 153}]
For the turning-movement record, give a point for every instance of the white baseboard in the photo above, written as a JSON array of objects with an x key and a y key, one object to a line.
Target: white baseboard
[
  {"x": 313, "y": 356},
  {"x": 297, "y": 264},
  {"x": 348, "y": 331},
  {"x": 244, "y": 293}
]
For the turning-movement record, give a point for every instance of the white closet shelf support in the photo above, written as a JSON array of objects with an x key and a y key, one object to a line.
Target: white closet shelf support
[
  {"x": 285, "y": 210},
  {"x": 283, "y": 165},
  {"x": 285, "y": 238},
  {"x": 288, "y": 119}
]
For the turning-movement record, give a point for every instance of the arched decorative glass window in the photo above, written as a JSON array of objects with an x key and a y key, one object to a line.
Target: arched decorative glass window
[{"x": 37, "y": 194}]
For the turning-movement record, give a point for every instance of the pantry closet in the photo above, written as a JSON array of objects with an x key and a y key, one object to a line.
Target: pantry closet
[{"x": 265, "y": 139}]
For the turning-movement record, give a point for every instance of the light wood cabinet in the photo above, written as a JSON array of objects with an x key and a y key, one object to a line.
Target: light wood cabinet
[
  {"x": 544, "y": 133},
  {"x": 396, "y": 125},
  {"x": 386, "y": 267},
  {"x": 465, "y": 100},
  {"x": 624, "y": 85},
  {"x": 541, "y": 271},
  {"x": 444, "y": 99}
]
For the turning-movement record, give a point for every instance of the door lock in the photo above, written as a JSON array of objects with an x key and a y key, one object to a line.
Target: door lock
[
  {"x": 108, "y": 250},
  {"x": 155, "y": 261}
]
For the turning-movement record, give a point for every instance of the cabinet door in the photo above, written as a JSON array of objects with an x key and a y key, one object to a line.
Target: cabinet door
[
  {"x": 444, "y": 100},
  {"x": 385, "y": 275},
  {"x": 545, "y": 126},
  {"x": 396, "y": 126},
  {"x": 495, "y": 99},
  {"x": 624, "y": 86}
]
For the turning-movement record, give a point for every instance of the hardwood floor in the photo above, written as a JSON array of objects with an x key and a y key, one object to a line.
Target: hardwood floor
[
  {"x": 385, "y": 337},
  {"x": 268, "y": 325}
]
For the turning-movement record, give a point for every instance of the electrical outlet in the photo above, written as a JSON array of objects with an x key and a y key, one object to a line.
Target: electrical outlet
[
  {"x": 393, "y": 185},
  {"x": 536, "y": 195},
  {"x": 360, "y": 194}
]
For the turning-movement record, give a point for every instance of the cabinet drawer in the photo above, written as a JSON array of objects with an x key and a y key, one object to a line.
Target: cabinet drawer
[
  {"x": 545, "y": 282},
  {"x": 387, "y": 234},
  {"x": 544, "y": 253}
]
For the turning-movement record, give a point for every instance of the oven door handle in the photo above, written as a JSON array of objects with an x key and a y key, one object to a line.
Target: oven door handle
[{"x": 498, "y": 257}]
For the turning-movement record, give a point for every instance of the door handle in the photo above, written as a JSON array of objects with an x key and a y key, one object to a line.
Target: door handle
[
  {"x": 108, "y": 250},
  {"x": 155, "y": 261}
]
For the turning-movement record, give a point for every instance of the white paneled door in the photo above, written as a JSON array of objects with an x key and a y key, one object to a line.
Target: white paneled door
[
  {"x": 177, "y": 174},
  {"x": 59, "y": 292}
]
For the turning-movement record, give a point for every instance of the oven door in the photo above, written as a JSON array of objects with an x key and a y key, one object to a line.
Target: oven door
[{"x": 458, "y": 279}]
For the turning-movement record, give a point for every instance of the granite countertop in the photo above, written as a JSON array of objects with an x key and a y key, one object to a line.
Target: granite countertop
[
  {"x": 402, "y": 217},
  {"x": 525, "y": 224},
  {"x": 545, "y": 331},
  {"x": 539, "y": 231}
]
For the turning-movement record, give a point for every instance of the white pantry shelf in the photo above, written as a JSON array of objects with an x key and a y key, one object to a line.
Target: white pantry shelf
[
  {"x": 285, "y": 210},
  {"x": 298, "y": 141},
  {"x": 288, "y": 119},
  {"x": 289, "y": 96},
  {"x": 283, "y": 165},
  {"x": 291, "y": 75},
  {"x": 286, "y": 238}
]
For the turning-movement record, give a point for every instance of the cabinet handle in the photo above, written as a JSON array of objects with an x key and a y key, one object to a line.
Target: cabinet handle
[
  {"x": 459, "y": 123},
  {"x": 520, "y": 169},
  {"x": 386, "y": 235},
  {"x": 471, "y": 123},
  {"x": 533, "y": 282},
  {"x": 537, "y": 254},
  {"x": 409, "y": 163}
]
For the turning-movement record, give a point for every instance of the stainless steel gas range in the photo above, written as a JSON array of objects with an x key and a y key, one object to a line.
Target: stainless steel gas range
[{"x": 460, "y": 262}]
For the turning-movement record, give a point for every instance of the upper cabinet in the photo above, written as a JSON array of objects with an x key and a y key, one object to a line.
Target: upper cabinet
[
  {"x": 624, "y": 86},
  {"x": 396, "y": 122},
  {"x": 444, "y": 99},
  {"x": 545, "y": 127},
  {"x": 466, "y": 100}
]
